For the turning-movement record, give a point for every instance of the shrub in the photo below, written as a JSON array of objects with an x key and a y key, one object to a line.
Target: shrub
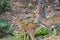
[
  {"x": 4, "y": 5},
  {"x": 5, "y": 29},
  {"x": 41, "y": 32},
  {"x": 58, "y": 28}
]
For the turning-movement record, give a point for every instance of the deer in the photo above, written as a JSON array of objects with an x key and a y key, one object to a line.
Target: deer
[
  {"x": 48, "y": 22},
  {"x": 29, "y": 27}
]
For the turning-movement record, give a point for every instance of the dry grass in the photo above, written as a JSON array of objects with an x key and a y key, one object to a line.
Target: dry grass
[{"x": 53, "y": 38}]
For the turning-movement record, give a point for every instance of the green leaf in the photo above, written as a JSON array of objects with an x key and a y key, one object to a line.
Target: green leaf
[
  {"x": 58, "y": 28},
  {"x": 41, "y": 32},
  {"x": 30, "y": 5},
  {"x": 4, "y": 5},
  {"x": 19, "y": 37},
  {"x": 10, "y": 29},
  {"x": 3, "y": 22}
]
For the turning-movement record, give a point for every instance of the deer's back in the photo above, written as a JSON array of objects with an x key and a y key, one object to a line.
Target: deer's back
[
  {"x": 28, "y": 27},
  {"x": 51, "y": 20}
]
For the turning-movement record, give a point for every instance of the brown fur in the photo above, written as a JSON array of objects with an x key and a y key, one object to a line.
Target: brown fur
[
  {"x": 29, "y": 27},
  {"x": 48, "y": 22}
]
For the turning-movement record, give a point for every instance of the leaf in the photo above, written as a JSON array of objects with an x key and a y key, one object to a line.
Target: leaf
[
  {"x": 24, "y": 21},
  {"x": 28, "y": 16},
  {"x": 30, "y": 5},
  {"x": 19, "y": 37},
  {"x": 58, "y": 28},
  {"x": 41, "y": 32},
  {"x": 3, "y": 22},
  {"x": 36, "y": 21},
  {"x": 10, "y": 29},
  {"x": 4, "y": 5}
]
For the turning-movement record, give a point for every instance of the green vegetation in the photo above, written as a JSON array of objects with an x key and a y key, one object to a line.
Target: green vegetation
[
  {"x": 58, "y": 28},
  {"x": 5, "y": 28},
  {"x": 30, "y": 5},
  {"x": 18, "y": 37},
  {"x": 41, "y": 32},
  {"x": 3, "y": 22},
  {"x": 4, "y": 5}
]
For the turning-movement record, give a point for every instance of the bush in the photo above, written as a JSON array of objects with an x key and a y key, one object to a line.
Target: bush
[
  {"x": 5, "y": 29},
  {"x": 58, "y": 28},
  {"x": 19, "y": 37},
  {"x": 41, "y": 32},
  {"x": 4, "y": 5},
  {"x": 3, "y": 22}
]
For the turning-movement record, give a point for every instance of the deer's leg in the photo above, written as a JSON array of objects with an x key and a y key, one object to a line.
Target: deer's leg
[
  {"x": 49, "y": 30},
  {"x": 54, "y": 30},
  {"x": 24, "y": 34},
  {"x": 31, "y": 33},
  {"x": 28, "y": 37}
]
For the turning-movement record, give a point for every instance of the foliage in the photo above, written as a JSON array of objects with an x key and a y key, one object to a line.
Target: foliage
[
  {"x": 58, "y": 28},
  {"x": 41, "y": 32},
  {"x": 24, "y": 21},
  {"x": 25, "y": 18},
  {"x": 36, "y": 22},
  {"x": 10, "y": 28},
  {"x": 4, "y": 5},
  {"x": 19, "y": 37},
  {"x": 23, "y": 6},
  {"x": 3, "y": 22},
  {"x": 10, "y": 32},
  {"x": 30, "y": 5},
  {"x": 5, "y": 28}
]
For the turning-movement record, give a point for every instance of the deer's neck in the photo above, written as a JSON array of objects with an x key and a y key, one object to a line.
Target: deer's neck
[
  {"x": 40, "y": 11},
  {"x": 40, "y": 14}
]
